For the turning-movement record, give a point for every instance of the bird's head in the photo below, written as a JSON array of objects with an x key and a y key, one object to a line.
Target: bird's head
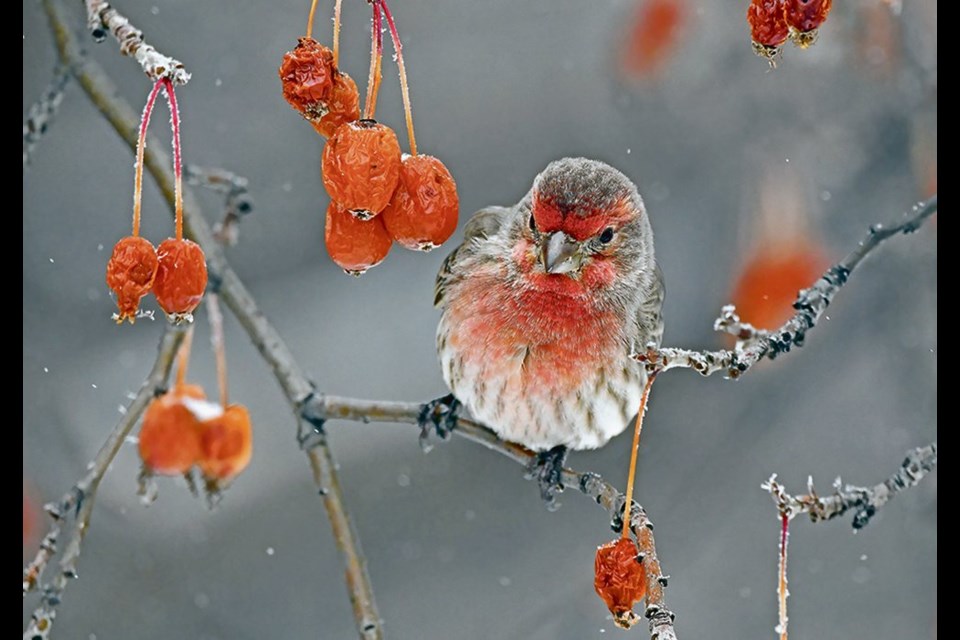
[{"x": 583, "y": 221}]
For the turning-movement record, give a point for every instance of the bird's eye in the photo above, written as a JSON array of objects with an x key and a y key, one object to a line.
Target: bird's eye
[
  {"x": 533, "y": 223},
  {"x": 607, "y": 235}
]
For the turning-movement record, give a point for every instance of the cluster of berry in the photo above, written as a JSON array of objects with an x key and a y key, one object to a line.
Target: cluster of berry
[
  {"x": 176, "y": 270},
  {"x": 378, "y": 194},
  {"x": 773, "y": 22}
]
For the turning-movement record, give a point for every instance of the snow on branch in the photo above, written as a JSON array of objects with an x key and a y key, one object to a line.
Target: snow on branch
[
  {"x": 755, "y": 344},
  {"x": 102, "y": 19},
  {"x": 42, "y": 112},
  {"x": 864, "y": 501}
]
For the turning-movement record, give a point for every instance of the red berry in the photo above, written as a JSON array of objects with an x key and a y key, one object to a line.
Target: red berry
[
  {"x": 307, "y": 76},
  {"x": 131, "y": 272},
  {"x": 619, "y": 580},
  {"x": 343, "y": 105},
  {"x": 768, "y": 27},
  {"x": 361, "y": 166},
  {"x": 653, "y": 36},
  {"x": 770, "y": 280},
  {"x": 804, "y": 17},
  {"x": 354, "y": 244},
  {"x": 423, "y": 212},
  {"x": 181, "y": 277},
  {"x": 170, "y": 436},
  {"x": 227, "y": 445}
]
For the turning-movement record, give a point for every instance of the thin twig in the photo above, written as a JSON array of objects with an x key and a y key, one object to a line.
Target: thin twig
[
  {"x": 289, "y": 374},
  {"x": 237, "y": 202},
  {"x": 326, "y": 407},
  {"x": 103, "y": 19},
  {"x": 865, "y": 501},
  {"x": 42, "y": 113},
  {"x": 78, "y": 502},
  {"x": 754, "y": 344}
]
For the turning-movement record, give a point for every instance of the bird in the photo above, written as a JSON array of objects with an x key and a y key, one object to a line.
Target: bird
[{"x": 542, "y": 306}]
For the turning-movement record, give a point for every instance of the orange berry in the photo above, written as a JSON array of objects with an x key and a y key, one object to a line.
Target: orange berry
[
  {"x": 361, "y": 166},
  {"x": 170, "y": 436},
  {"x": 131, "y": 272},
  {"x": 354, "y": 244},
  {"x": 619, "y": 580},
  {"x": 770, "y": 280},
  {"x": 307, "y": 76},
  {"x": 181, "y": 277},
  {"x": 343, "y": 105},
  {"x": 804, "y": 18},
  {"x": 653, "y": 36},
  {"x": 423, "y": 212},
  {"x": 768, "y": 27},
  {"x": 227, "y": 444}
]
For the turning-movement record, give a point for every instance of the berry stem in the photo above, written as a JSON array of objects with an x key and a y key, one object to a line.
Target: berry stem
[
  {"x": 183, "y": 357},
  {"x": 177, "y": 162},
  {"x": 628, "y": 503},
  {"x": 782, "y": 592},
  {"x": 141, "y": 146},
  {"x": 336, "y": 33},
  {"x": 404, "y": 87},
  {"x": 376, "y": 59},
  {"x": 313, "y": 10},
  {"x": 216, "y": 342}
]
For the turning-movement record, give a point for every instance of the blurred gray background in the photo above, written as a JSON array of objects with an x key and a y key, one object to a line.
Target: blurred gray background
[{"x": 458, "y": 543}]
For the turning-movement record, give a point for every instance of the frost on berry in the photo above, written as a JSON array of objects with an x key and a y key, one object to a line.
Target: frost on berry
[
  {"x": 768, "y": 28},
  {"x": 619, "y": 580},
  {"x": 804, "y": 18},
  {"x": 422, "y": 214},
  {"x": 226, "y": 446},
  {"x": 131, "y": 272},
  {"x": 307, "y": 76},
  {"x": 361, "y": 167},
  {"x": 343, "y": 105},
  {"x": 181, "y": 278},
  {"x": 354, "y": 244},
  {"x": 170, "y": 437}
]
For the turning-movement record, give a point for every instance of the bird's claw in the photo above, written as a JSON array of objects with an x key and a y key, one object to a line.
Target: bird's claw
[
  {"x": 547, "y": 470},
  {"x": 438, "y": 415}
]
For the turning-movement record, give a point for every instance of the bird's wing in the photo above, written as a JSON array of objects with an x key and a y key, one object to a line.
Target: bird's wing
[
  {"x": 484, "y": 224},
  {"x": 649, "y": 316}
]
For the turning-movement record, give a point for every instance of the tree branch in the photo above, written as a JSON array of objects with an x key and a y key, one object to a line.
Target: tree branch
[
  {"x": 755, "y": 344},
  {"x": 866, "y": 501},
  {"x": 237, "y": 202},
  {"x": 287, "y": 371},
  {"x": 103, "y": 19},
  {"x": 42, "y": 112},
  {"x": 78, "y": 502}
]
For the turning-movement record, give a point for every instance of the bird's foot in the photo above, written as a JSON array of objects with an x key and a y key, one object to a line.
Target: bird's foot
[
  {"x": 442, "y": 414},
  {"x": 547, "y": 469}
]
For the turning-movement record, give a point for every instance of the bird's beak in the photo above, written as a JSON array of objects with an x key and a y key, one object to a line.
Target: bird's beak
[{"x": 560, "y": 253}]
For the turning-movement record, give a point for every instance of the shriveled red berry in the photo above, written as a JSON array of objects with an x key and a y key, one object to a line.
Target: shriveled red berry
[
  {"x": 804, "y": 18},
  {"x": 307, "y": 76},
  {"x": 227, "y": 445},
  {"x": 768, "y": 27},
  {"x": 170, "y": 436},
  {"x": 354, "y": 244},
  {"x": 619, "y": 580},
  {"x": 131, "y": 272},
  {"x": 771, "y": 279},
  {"x": 181, "y": 277},
  {"x": 423, "y": 212},
  {"x": 361, "y": 167},
  {"x": 343, "y": 105}
]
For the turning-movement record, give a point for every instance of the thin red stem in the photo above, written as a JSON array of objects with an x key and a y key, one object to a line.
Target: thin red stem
[
  {"x": 404, "y": 87},
  {"x": 376, "y": 58},
  {"x": 183, "y": 357},
  {"x": 336, "y": 33},
  {"x": 216, "y": 341},
  {"x": 632, "y": 476},
  {"x": 782, "y": 592},
  {"x": 313, "y": 10},
  {"x": 141, "y": 146},
  {"x": 177, "y": 162}
]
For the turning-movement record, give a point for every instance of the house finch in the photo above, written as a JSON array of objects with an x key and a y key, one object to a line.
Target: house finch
[{"x": 543, "y": 304}]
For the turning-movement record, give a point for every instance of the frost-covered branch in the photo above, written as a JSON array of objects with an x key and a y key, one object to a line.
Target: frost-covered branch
[
  {"x": 864, "y": 501},
  {"x": 102, "y": 19},
  {"x": 42, "y": 112},
  {"x": 754, "y": 344},
  {"x": 76, "y": 506},
  {"x": 237, "y": 202}
]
